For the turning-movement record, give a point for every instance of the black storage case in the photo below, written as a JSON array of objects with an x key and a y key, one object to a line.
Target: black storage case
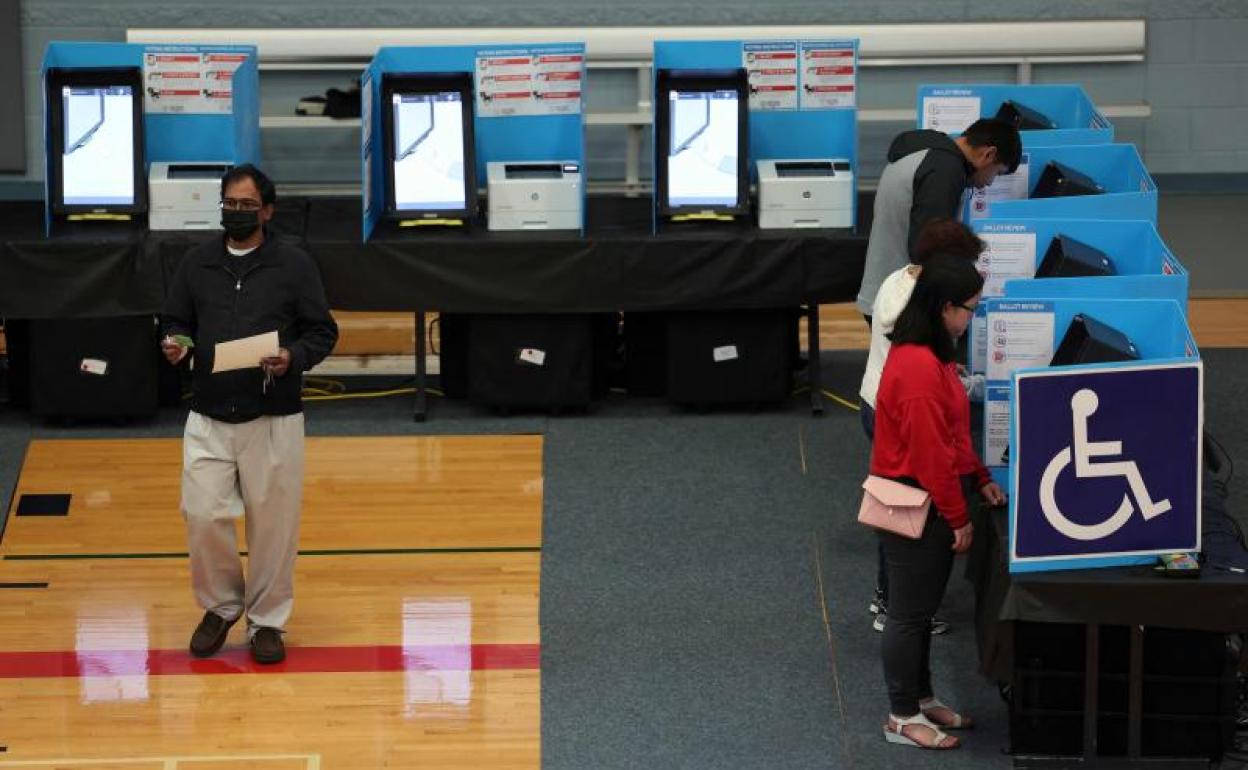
[
  {"x": 543, "y": 362},
  {"x": 1069, "y": 258},
  {"x": 645, "y": 353},
  {"x": 1088, "y": 341},
  {"x": 453, "y": 354},
  {"x": 61, "y": 385},
  {"x": 17, "y": 362},
  {"x": 1188, "y": 692},
  {"x": 731, "y": 357},
  {"x": 1061, "y": 181},
  {"x": 1023, "y": 117}
]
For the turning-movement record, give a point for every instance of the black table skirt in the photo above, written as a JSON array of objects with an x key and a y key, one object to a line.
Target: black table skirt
[
  {"x": 1124, "y": 596},
  {"x": 617, "y": 265}
]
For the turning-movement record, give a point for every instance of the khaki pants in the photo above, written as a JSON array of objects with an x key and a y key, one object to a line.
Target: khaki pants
[{"x": 227, "y": 468}]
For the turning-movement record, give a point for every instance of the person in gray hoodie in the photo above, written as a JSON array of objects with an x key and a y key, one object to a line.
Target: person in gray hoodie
[{"x": 926, "y": 176}]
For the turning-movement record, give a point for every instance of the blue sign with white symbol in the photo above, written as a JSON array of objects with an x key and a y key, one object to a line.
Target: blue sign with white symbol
[{"x": 1108, "y": 465}]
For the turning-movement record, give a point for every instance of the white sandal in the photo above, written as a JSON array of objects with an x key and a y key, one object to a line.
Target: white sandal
[
  {"x": 894, "y": 732},
  {"x": 959, "y": 722}
]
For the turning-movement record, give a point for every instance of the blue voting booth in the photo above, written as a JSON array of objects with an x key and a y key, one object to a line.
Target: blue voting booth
[
  {"x": 1130, "y": 192},
  {"x": 513, "y": 116},
  {"x": 802, "y": 94},
  {"x": 212, "y": 116},
  {"x": 1103, "y": 459},
  {"x": 1144, "y": 267},
  {"x": 951, "y": 108}
]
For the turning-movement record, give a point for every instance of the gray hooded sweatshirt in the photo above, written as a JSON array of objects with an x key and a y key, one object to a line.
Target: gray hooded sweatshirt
[{"x": 924, "y": 180}]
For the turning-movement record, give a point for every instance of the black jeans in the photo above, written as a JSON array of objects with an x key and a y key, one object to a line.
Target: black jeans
[
  {"x": 867, "y": 414},
  {"x": 918, "y": 571}
]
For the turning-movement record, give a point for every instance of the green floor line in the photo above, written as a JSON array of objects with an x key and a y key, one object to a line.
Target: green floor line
[{"x": 312, "y": 552}]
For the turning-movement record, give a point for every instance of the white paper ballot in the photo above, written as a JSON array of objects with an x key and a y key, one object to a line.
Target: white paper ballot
[{"x": 244, "y": 353}]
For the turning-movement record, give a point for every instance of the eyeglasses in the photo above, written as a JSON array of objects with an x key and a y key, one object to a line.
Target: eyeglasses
[
  {"x": 970, "y": 310},
  {"x": 240, "y": 204}
]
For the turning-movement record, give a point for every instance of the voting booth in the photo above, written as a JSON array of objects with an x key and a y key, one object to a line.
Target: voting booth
[
  {"x": 112, "y": 113},
  {"x": 723, "y": 107},
  {"x": 1050, "y": 258},
  {"x": 111, "y": 110},
  {"x": 779, "y": 115},
  {"x": 438, "y": 122},
  {"x": 1093, "y": 411},
  {"x": 1106, "y": 181},
  {"x": 1045, "y": 115}
]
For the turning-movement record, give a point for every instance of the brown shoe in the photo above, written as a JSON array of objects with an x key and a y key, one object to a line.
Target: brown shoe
[
  {"x": 210, "y": 634},
  {"x": 267, "y": 646}
]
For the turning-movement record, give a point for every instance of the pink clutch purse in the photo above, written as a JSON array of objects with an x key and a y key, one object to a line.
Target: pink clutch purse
[{"x": 894, "y": 507}]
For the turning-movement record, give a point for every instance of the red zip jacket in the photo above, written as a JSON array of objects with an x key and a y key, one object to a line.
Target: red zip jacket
[{"x": 923, "y": 429}]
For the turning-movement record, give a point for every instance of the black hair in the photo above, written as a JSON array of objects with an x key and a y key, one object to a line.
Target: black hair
[
  {"x": 945, "y": 278},
  {"x": 1004, "y": 136},
  {"x": 268, "y": 192}
]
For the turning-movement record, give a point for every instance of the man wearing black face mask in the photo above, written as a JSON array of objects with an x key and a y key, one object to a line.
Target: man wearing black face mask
[{"x": 243, "y": 444}]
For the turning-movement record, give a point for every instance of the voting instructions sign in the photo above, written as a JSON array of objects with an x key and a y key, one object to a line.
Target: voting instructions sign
[{"x": 1107, "y": 465}]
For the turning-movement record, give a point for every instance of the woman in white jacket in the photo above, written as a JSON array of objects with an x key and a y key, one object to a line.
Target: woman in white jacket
[{"x": 938, "y": 236}]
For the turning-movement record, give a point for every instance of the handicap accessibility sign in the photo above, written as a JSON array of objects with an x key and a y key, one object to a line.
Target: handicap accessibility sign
[{"x": 1107, "y": 465}]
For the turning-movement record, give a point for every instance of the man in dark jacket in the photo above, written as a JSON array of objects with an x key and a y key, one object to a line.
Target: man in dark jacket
[
  {"x": 926, "y": 175},
  {"x": 243, "y": 444}
]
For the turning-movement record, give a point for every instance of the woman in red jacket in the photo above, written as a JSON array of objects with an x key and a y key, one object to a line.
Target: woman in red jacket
[{"x": 922, "y": 437}]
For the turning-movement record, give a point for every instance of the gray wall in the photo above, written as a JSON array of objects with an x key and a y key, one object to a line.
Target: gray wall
[
  {"x": 1195, "y": 75},
  {"x": 12, "y": 122}
]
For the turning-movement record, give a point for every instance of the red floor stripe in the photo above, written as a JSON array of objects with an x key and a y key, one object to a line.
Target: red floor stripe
[{"x": 299, "y": 660}]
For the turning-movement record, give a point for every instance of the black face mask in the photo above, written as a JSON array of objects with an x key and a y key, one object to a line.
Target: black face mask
[{"x": 240, "y": 225}]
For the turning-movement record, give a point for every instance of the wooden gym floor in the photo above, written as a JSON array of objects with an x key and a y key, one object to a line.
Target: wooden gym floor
[{"x": 414, "y": 641}]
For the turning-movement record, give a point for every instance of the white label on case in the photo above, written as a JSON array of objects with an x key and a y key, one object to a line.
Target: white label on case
[
  {"x": 533, "y": 356},
  {"x": 725, "y": 353},
  {"x": 93, "y": 366}
]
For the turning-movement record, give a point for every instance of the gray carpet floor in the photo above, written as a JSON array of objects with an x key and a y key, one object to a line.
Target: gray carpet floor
[{"x": 704, "y": 583}]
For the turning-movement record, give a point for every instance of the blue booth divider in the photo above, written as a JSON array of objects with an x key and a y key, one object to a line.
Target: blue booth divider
[
  {"x": 1135, "y": 438},
  {"x": 1130, "y": 192},
  {"x": 1145, "y": 266},
  {"x": 221, "y": 135},
  {"x": 951, "y": 108},
  {"x": 807, "y": 130},
  {"x": 1024, "y": 333},
  {"x": 497, "y": 138}
]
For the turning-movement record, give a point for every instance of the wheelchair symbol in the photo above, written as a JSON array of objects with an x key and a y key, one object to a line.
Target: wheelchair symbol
[{"x": 1082, "y": 406}]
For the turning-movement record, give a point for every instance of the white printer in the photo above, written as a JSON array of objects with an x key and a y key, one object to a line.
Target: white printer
[
  {"x": 805, "y": 193},
  {"x": 528, "y": 195},
  {"x": 184, "y": 195}
]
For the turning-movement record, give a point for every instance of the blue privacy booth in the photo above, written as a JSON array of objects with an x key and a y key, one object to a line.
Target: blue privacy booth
[
  {"x": 808, "y": 130},
  {"x": 1104, "y": 458},
  {"x": 229, "y": 134},
  {"x": 1157, "y": 328},
  {"x": 950, "y": 108},
  {"x": 1145, "y": 268},
  {"x": 497, "y": 137},
  {"x": 1130, "y": 192}
]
